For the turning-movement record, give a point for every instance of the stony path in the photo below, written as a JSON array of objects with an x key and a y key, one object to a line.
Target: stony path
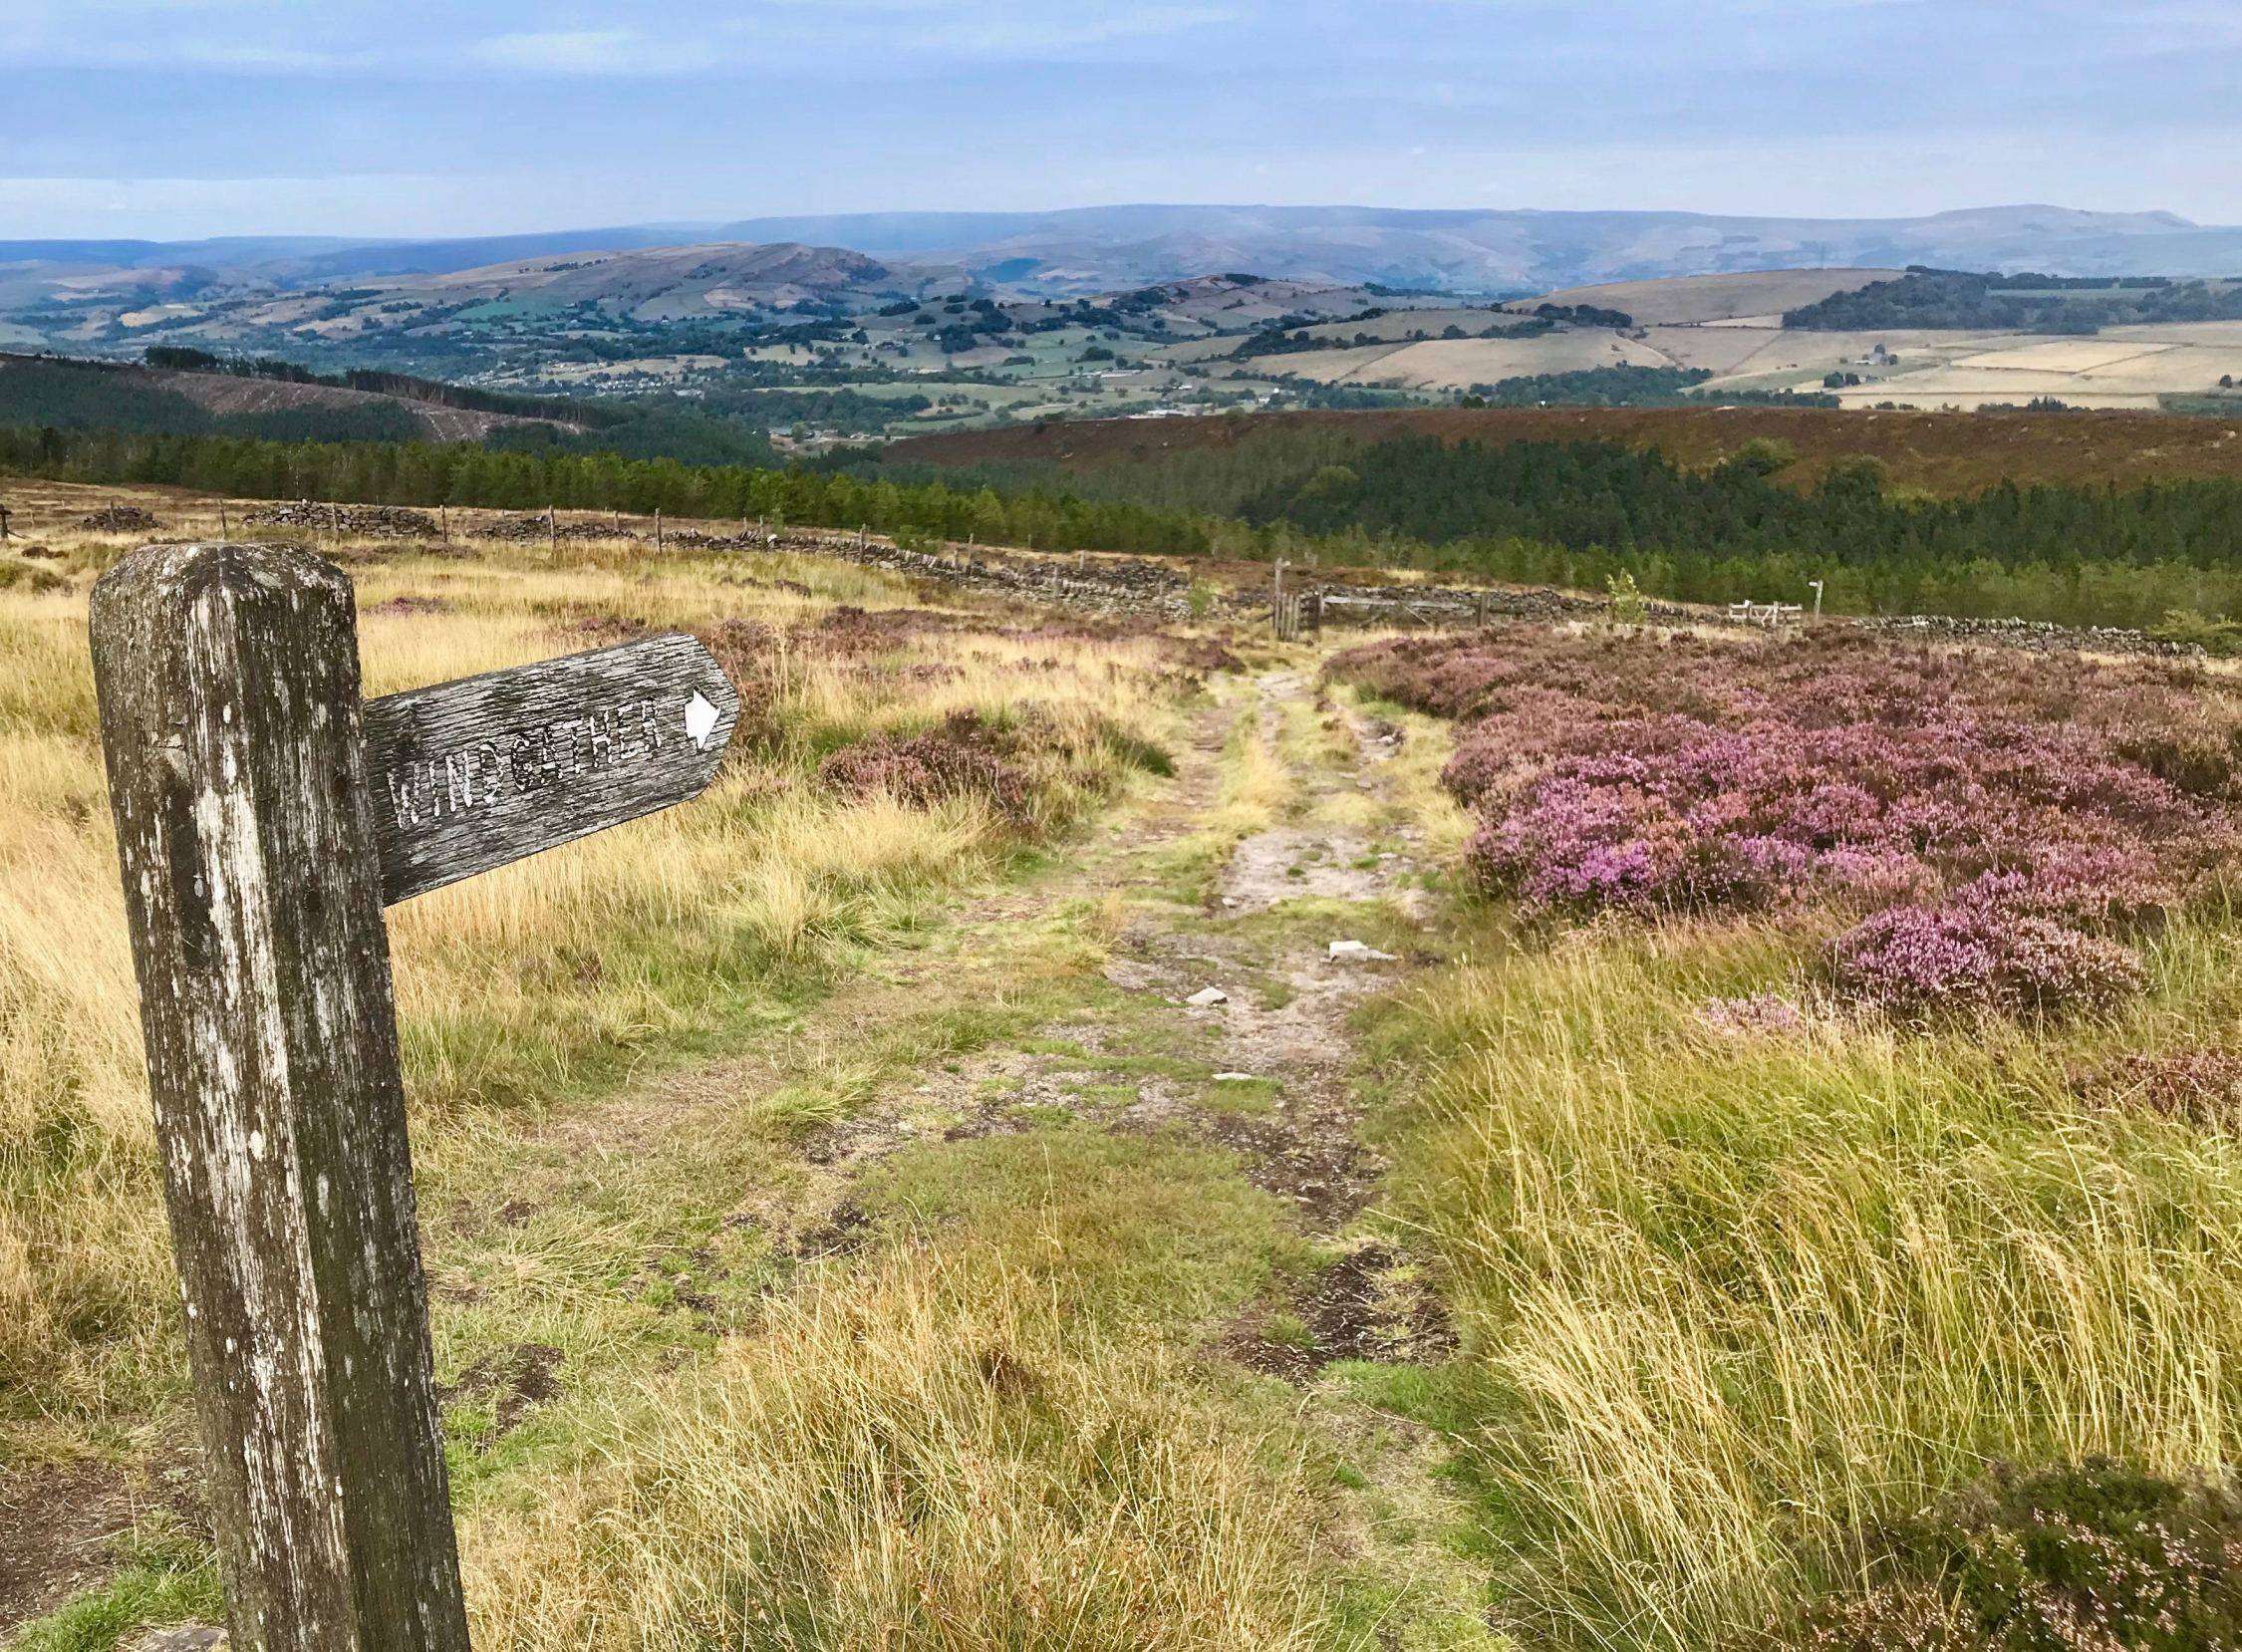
[{"x": 1278, "y": 1035}]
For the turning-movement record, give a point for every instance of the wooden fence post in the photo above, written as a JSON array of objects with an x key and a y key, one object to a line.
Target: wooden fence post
[
  {"x": 228, "y": 683},
  {"x": 553, "y": 530},
  {"x": 3, "y": 521}
]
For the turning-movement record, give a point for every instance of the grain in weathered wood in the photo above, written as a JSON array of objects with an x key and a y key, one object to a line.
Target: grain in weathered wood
[
  {"x": 228, "y": 683},
  {"x": 471, "y": 774}
]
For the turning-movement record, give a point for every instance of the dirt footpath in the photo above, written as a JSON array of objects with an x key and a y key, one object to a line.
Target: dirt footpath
[{"x": 1232, "y": 923}]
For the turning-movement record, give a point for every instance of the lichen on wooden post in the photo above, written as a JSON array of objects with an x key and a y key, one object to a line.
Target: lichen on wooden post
[{"x": 228, "y": 680}]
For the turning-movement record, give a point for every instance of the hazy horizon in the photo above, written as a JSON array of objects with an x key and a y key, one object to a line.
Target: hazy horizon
[
  {"x": 507, "y": 230},
  {"x": 175, "y": 120}
]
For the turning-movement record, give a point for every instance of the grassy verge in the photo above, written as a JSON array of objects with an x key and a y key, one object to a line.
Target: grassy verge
[{"x": 1748, "y": 1308}]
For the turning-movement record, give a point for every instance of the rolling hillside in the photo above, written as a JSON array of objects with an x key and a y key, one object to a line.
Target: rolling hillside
[
  {"x": 1102, "y": 248},
  {"x": 64, "y": 393},
  {"x": 1508, "y": 251}
]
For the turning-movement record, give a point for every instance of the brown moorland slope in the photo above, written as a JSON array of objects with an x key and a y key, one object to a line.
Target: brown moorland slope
[
  {"x": 1932, "y": 452},
  {"x": 226, "y": 392}
]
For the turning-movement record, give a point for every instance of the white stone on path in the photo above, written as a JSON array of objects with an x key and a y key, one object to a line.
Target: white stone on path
[{"x": 1356, "y": 952}]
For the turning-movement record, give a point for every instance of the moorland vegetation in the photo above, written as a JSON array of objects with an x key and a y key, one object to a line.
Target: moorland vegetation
[{"x": 1826, "y": 1136}]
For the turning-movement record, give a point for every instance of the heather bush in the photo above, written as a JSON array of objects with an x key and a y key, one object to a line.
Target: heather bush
[
  {"x": 2001, "y": 827},
  {"x": 959, "y": 758},
  {"x": 1758, "y": 1015},
  {"x": 1970, "y": 956},
  {"x": 2094, "y": 1556},
  {"x": 2200, "y": 1087}
]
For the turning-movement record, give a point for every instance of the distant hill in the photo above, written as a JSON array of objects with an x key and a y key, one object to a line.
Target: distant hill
[
  {"x": 1481, "y": 251},
  {"x": 1506, "y": 251},
  {"x": 80, "y": 300},
  {"x": 674, "y": 283},
  {"x": 36, "y": 390},
  {"x": 528, "y": 300}
]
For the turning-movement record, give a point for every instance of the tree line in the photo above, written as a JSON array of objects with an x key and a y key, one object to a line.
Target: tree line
[
  {"x": 1931, "y": 298},
  {"x": 1572, "y": 513},
  {"x": 460, "y": 473}
]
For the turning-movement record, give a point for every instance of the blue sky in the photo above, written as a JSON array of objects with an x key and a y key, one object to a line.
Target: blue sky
[{"x": 182, "y": 118}]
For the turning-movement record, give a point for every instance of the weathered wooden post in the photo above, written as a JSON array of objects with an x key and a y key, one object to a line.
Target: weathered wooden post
[
  {"x": 1277, "y": 595},
  {"x": 1479, "y": 610},
  {"x": 552, "y": 531},
  {"x": 4, "y": 513},
  {"x": 238, "y": 770},
  {"x": 264, "y": 816},
  {"x": 658, "y": 545},
  {"x": 444, "y": 521}
]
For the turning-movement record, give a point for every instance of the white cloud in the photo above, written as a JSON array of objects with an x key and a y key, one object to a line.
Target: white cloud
[
  {"x": 586, "y": 52},
  {"x": 265, "y": 57},
  {"x": 1011, "y": 34},
  {"x": 892, "y": 31}
]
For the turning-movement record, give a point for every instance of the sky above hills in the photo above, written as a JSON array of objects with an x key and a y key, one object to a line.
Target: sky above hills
[{"x": 186, "y": 118}]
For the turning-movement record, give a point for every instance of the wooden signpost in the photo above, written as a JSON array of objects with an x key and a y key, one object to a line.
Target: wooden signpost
[{"x": 264, "y": 819}]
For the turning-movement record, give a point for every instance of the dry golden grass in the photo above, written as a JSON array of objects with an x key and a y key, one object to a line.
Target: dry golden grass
[
  {"x": 912, "y": 1456},
  {"x": 515, "y": 988},
  {"x": 1742, "y": 1300}
]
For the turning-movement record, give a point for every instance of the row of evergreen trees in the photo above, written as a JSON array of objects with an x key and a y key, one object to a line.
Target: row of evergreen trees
[
  {"x": 1636, "y": 500},
  {"x": 422, "y": 473},
  {"x": 1566, "y": 514}
]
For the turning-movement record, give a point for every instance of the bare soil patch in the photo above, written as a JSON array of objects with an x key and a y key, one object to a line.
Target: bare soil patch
[
  {"x": 1366, "y": 1304},
  {"x": 513, "y": 1382},
  {"x": 59, "y": 1521},
  {"x": 57, "y": 1524}
]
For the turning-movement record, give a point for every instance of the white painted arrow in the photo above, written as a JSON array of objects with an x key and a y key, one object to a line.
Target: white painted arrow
[{"x": 700, "y": 721}]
